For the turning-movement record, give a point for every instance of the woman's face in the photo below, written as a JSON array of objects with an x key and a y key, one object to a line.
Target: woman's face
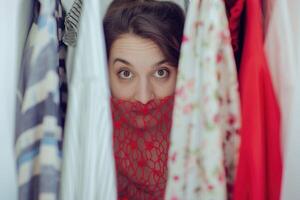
[{"x": 139, "y": 71}]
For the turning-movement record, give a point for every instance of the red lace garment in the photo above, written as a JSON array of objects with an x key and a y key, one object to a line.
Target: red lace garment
[{"x": 141, "y": 142}]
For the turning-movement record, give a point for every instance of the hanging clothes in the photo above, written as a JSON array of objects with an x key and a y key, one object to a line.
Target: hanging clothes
[
  {"x": 69, "y": 3},
  {"x": 62, "y": 51},
  {"x": 38, "y": 120},
  {"x": 260, "y": 166},
  {"x": 282, "y": 49},
  {"x": 267, "y": 7},
  {"x": 204, "y": 139},
  {"x": 88, "y": 164},
  {"x": 235, "y": 10},
  {"x": 72, "y": 23}
]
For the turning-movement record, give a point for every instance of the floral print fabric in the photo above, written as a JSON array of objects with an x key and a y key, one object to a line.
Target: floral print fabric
[{"x": 206, "y": 116}]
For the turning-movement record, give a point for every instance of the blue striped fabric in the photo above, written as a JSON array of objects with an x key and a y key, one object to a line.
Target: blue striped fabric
[{"x": 39, "y": 117}]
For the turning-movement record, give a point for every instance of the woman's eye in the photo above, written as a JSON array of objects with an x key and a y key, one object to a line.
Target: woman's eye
[
  {"x": 125, "y": 74},
  {"x": 161, "y": 73}
]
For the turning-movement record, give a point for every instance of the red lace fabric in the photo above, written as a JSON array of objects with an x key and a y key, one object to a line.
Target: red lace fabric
[{"x": 141, "y": 143}]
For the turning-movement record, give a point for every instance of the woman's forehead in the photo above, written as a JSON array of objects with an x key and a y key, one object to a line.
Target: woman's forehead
[
  {"x": 136, "y": 50},
  {"x": 133, "y": 42}
]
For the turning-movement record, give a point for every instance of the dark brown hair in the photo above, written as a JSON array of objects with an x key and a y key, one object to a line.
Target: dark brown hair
[{"x": 161, "y": 22}]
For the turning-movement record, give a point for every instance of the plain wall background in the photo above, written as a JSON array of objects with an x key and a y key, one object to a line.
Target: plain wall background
[
  {"x": 15, "y": 18},
  {"x": 8, "y": 65}
]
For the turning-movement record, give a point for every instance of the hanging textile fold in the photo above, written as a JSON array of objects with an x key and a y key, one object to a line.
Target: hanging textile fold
[
  {"x": 88, "y": 170},
  {"x": 38, "y": 118},
  {"x": 282, "y": 50},
  {"x": 260, "y": 166},
  {"x": 204, "y": 139}
]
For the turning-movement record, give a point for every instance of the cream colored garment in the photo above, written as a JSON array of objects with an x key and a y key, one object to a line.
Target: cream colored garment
[
  {"x": 283, "y": 52},
  {"x": 204, "y": 139},
  {"x": 88, "y": 164}
]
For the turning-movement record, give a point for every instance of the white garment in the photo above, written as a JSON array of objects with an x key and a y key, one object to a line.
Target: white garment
[
  {"x": 283, "y": 53},
  {"x": 88, "y": 165}
]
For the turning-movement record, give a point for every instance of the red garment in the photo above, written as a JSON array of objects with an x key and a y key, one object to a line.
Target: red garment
[
  {"x": 260, "y": 163},
  {"x": 141, "y": 142},
  {"x": 235, "y": 8}
]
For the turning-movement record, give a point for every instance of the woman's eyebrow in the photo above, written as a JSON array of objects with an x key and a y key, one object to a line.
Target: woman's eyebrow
[
  {"x": 129, "y": 64},
  {"x": 122, "y": 60},
  {"x": 159, "y": 63}
]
